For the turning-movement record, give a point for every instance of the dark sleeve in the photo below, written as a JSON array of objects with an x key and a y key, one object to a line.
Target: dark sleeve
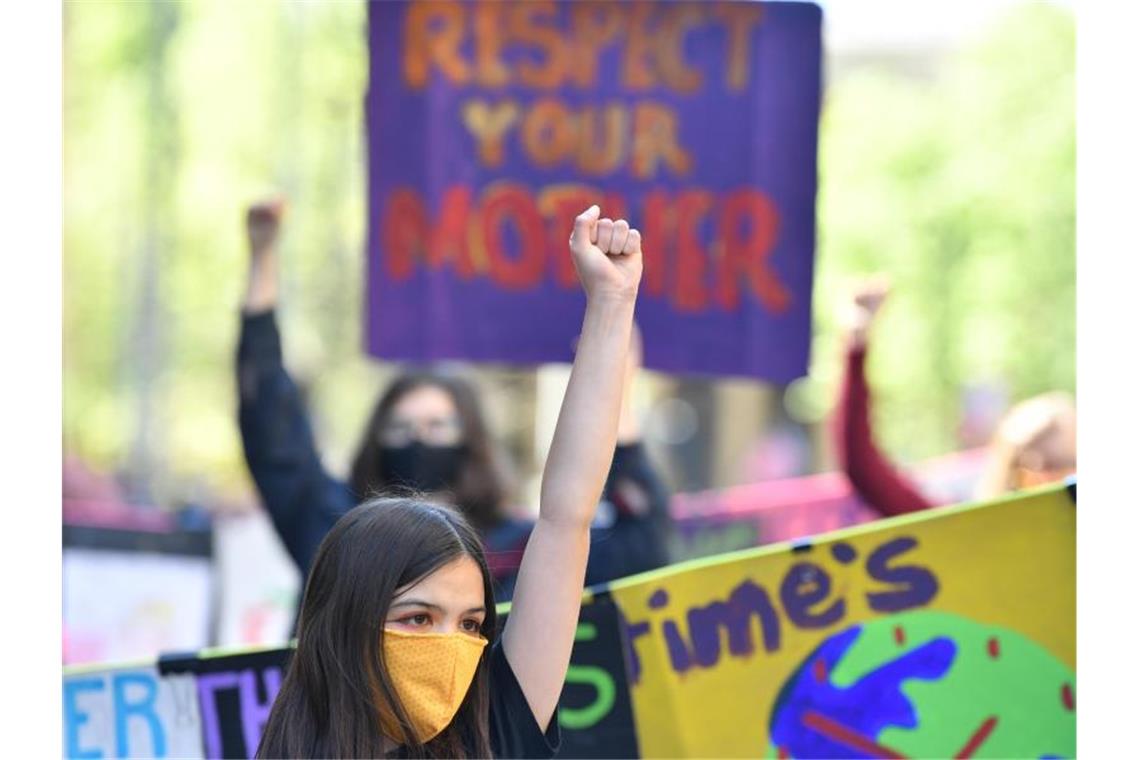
[
  {"x": 638, "y": 538},
  {"x": 514, "y": 730},
  {"x": 301, "y": 498},
  {"x": 872, "y": 476}
]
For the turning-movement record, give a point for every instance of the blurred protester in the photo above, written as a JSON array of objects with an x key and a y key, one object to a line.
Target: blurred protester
[
  {"x": 1035, "y": 442},
  {"x": 426, "y": 435}
]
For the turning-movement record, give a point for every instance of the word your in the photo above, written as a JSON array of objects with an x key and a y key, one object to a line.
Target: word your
[
  {"x": 532, "y": 44},
  {"x": 596, "y": 140},
  {"x": 470, "y": 236},
  {"x": 804, "y": 597}
]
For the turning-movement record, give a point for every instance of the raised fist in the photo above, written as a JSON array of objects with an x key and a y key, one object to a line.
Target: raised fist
[
  {"x": 867, "y": 298},
  {"x": 262, "y": 223},
  {"x": 871, "y": 292},
  {"x": 607, "y": 255}
]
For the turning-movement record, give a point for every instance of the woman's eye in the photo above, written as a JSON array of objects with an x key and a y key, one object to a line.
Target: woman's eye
[
  {"x": 420, "y": 619},
  {"x": 471, "y": 626}
]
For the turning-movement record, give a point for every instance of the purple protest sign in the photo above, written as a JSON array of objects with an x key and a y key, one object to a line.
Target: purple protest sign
[{"x": 491, "y": 125}]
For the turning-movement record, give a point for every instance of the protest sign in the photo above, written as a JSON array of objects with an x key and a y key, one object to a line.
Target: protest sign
[
  {"x": 130, "y": 712},
  {"x": 491, "y": 125},
  {"x": 938, "y": 634},
  {"x": 949, "y": 632},
  {"x": 235, "y": 694},
  {"x": 129, "y": 594}
]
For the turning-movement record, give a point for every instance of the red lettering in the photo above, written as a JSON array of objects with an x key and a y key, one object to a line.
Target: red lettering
[
  {"x": 613, "y": 206},
  {"x": 745, "y": 252},
  {"x": 689, "y": 292},
  {"x": 677, "y": 264},
  {"x": 505, "y": 202},
  {"x": 449, "y": 236},
  {"x": 404, "y": 230},
  {"x": 657, "y": 234},
  {"x": 409, "y": 236}
]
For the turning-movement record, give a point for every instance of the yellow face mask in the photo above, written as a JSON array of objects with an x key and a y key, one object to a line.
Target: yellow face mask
[{"x": 431, "y": 673}]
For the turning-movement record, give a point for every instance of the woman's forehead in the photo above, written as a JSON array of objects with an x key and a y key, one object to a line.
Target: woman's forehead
[
  {"x": 457, "y": 585},
  {"x": 425, "y": 401}
]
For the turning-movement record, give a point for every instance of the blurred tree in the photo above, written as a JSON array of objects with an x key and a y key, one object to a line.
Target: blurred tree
[{"x": 962, "y": 188}]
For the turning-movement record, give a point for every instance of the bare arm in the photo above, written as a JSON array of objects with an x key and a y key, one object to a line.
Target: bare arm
[
  {"x": 629, "y": 431},
  {"x": 540, "y": 630},
  {"x": 262, "y": 224}
]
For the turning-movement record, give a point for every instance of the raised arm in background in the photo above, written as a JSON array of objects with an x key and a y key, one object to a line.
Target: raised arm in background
[
  {"x": 872, "y": 475},
  {"x": 540, "y": 631},
  {"x": 301, "y": 498}
]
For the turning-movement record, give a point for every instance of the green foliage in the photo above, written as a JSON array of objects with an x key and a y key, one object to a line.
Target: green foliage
[{"x": 960, "y": 185}]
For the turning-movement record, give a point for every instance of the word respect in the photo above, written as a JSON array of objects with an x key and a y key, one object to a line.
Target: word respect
[{"x": 542, "y": 44}]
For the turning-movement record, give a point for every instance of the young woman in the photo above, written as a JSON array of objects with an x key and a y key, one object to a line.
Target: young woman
[
  {"x": 427, "y": 433},
  {"x": 394, "y": 654}
]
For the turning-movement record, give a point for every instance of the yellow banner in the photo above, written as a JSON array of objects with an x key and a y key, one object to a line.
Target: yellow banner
[{"x": 945, "y": 634}]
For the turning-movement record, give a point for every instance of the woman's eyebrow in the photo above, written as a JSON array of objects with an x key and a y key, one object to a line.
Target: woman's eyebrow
[
  {"x": 417, "y": 603},
  {"x": 435, "y": 607}
]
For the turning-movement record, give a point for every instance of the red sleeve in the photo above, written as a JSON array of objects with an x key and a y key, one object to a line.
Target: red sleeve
[{"x": 872, "y": 476}]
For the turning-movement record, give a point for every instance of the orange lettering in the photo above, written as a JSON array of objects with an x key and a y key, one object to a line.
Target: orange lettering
[
  {"x": 489, "y": 68},
  {"x": 739, "y": 18},
  {"x": 671, "y": 47},
  {"x": 595, "y": 25},
  {"x": 655, "y": 139},
  {"x": 433, "y": 33},
  {"x": 637, "y": 74},
  {"x": 526, "y": 26},
  {"x": 548, "y": 132},
  {"x": 606, "y": 157}
]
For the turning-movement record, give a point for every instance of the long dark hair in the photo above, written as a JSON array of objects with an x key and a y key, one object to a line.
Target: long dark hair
[
  {"x": 481, "y": 488},
  {"x": 327, "y": 703}
]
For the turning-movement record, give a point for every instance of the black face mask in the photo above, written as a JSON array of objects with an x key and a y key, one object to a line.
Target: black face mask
[{"x": 422, "y": 467}]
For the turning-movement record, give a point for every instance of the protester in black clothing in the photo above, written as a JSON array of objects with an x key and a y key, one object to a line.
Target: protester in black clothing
[
  {"x": 427, "y": 433},
  {"x": 392, "y": 653}
]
